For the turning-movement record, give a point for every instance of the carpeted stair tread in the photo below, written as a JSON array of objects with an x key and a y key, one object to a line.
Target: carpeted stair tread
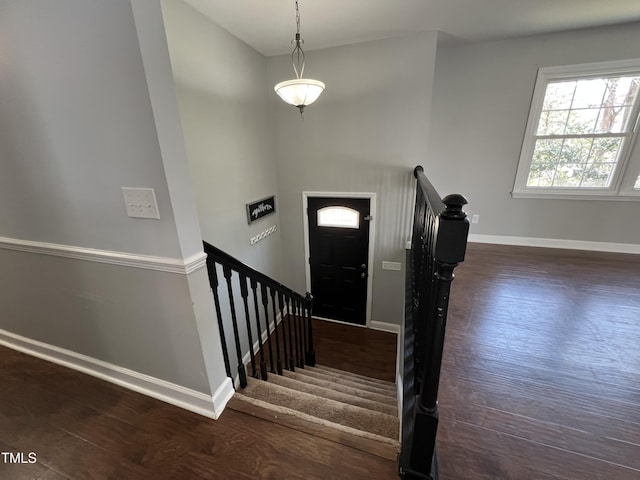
[
  {"x": 347, "y": 382},
  {"x": 370, "y": 382},
  {"x": 395, "y": 444},
  {"x": 355, "y": 376},
  {"x": 358, "y": 418},
  {"x": 331, "y": 394},
  {"x": 341, "y": 388}
]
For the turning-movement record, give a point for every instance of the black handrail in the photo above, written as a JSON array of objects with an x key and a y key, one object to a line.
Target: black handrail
[
  {"x": 270, "y": 292},
  {"x": 438, "y": 245}
]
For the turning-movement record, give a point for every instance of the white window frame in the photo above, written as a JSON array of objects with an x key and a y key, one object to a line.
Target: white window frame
[{"x": 628, "y": 167}]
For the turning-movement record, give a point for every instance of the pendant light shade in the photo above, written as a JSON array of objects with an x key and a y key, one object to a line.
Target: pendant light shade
[{"x": 299, "y": 92}]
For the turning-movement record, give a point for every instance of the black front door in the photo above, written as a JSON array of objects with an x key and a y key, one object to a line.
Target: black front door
[{"x": 339, "y": 251}]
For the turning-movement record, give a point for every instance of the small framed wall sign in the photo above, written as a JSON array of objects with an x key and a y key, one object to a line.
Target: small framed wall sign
[{"x": 261, "y": 208}]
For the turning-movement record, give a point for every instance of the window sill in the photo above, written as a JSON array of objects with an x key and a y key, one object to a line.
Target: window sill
[{"x": 630, "y": 197}]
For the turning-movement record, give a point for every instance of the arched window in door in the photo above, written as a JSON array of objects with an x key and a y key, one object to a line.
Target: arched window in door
[{"x": 339, "y": 217}]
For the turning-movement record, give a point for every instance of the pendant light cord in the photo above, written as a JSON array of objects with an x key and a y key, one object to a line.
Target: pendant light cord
[{"x": 297, "y": 56}]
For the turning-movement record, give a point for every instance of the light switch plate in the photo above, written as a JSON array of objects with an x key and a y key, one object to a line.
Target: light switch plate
[{"x": 141, "y": 202}]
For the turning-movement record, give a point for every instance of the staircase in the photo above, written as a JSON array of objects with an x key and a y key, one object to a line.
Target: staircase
[
  {"x": 344, "y": 407},
  {"x": 351, "y": 409}
]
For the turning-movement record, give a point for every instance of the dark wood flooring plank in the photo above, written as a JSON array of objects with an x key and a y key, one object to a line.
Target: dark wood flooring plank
[
  {"x": 541, "y": 372},
  {"x": 354, "y": 349}
]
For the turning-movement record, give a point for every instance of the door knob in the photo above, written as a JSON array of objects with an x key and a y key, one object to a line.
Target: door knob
[
  {"x": 363, "y": 275},
  {"x": 363, "y": 266}
]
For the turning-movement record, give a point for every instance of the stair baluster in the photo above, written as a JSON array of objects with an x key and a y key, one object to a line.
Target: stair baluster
[
  {"x": 213, "y": 283},
  {"x": 311, "y": 354},
  {"x": 242, "y": 374},
  {"x": 275, "y": 328},
  {"x": 292, "y": 360},
  {"x": 265, "y": 304},
  {"x": 245, "y": 295},
  {"x": 283, "y": 322},
  {"x": 263, "y": 363},
  {"x": 303, "y": 333}
]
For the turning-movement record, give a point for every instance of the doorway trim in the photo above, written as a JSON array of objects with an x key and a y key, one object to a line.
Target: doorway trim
[{"x": 370, "y": 254}]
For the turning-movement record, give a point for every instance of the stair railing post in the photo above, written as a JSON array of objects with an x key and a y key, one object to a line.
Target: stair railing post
[{"x": 448, "y": 251}]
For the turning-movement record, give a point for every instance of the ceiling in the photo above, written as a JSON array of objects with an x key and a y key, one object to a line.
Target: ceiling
[{"x": 269, "y": 25}]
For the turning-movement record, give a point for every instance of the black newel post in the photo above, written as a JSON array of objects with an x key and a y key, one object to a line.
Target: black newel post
[{"x": 448, "y": 251}]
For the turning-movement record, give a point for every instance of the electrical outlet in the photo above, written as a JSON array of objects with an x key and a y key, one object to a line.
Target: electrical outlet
[
  {"x": 140, "y": 202},
  {"x": 475, "y": 218},
  {"x": 397, "y": 266}
]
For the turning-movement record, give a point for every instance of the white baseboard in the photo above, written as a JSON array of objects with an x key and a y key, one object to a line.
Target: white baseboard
[
  {"x": 556, "y": 243},
  {"x": 208, "y": 405},
  {"x": 385, "y": 327}
]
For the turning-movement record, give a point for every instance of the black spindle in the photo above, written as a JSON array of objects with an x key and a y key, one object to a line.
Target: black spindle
[
  {"x": 292, "y": 361},
  {"x": 245, "y": 296},
  {"x": 311, "y": 354},
  {"x": 265, "y": 304},
  {"x": 299, "y": 313},
  {"x": 283, "y": 324},
  {"x": 263, "y": 364},
  {"x": 294, "y": 309},
  {"x": 275, "y": 328},
  {"x": 213, "y": 282},
  {"x": 242, "y": 374},
  {"x": 303, "y": 331}
]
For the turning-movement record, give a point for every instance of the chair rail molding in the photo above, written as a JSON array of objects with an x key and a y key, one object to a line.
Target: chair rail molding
[{"x": 149, "y": 262}]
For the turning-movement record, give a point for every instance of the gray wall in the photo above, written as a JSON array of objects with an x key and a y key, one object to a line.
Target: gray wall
[
  {"x": 77, "y": 123},
  {"x": 481, "y": 100},
  {"x": 365, "y": 134},
  {"x": 221, "y": 86}
]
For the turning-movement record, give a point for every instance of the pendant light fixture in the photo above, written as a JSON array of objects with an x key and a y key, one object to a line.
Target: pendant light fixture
[{"x": 300, "y": 91}]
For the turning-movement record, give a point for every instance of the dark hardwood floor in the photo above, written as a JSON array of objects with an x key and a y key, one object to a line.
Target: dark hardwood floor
[
  {"x": 541, "y": 372},
  {"x": 83, "y": 428},
  {"x": 541, "y": 380}
]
